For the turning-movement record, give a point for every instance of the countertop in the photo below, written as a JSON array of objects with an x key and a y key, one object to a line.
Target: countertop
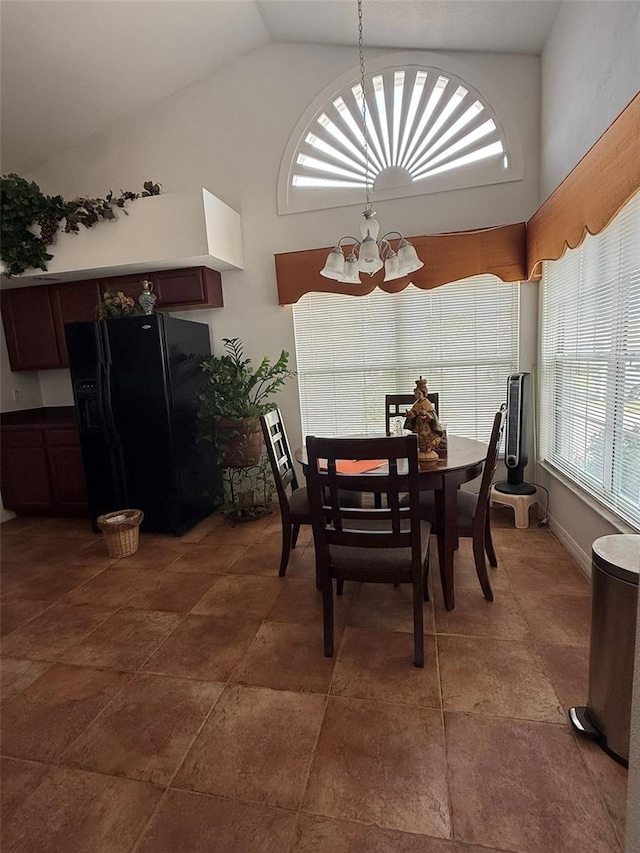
[{"x": 46, "y": 416}]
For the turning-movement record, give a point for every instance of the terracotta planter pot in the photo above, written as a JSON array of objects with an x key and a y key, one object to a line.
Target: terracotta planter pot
[{"x": 239, "y": 442}]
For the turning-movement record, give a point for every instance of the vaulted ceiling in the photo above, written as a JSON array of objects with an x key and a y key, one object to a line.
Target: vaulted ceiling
[{"x": 73, "y": 68}]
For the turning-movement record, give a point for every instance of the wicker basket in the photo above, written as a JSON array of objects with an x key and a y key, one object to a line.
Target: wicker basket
[{"x": 121, "y": 531}]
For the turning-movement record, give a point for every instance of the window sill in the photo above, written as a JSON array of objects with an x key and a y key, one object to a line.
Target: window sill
[{"x": 587, "y": 499}]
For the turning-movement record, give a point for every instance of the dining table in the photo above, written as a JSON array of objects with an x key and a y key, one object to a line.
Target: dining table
[{"x": 442, "y": 476}]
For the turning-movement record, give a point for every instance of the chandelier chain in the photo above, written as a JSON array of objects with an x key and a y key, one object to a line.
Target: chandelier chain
[
  {"x": 369, "y": 254},
  {"x": 364, "y": 108}
]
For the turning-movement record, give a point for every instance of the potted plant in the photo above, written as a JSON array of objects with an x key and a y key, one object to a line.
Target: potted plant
[{"x": 234, "y": 396}]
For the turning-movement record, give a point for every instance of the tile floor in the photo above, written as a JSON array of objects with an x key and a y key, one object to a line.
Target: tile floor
[{"x": 178, "y": 700}]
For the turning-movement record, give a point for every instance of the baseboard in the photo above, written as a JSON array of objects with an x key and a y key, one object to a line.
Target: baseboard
[{"x": 583, "y": 560}]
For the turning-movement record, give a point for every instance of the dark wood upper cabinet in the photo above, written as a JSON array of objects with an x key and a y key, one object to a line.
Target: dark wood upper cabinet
[
  {"x": 198, "y": 287},
  {"x": 34, "y": 317},
  {"x": 73, "y": 302},
  {"x": 27, "y": 314},
  {"x": 177, "y": 290}
]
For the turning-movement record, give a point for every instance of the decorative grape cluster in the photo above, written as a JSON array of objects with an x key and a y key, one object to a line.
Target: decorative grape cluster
[{"x": 117, "y": 305}]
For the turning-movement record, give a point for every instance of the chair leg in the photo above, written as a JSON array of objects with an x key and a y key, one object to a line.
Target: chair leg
[
  {"x": 425, "y": 577},
  {"x": 377, "y": 500},
  {"x": 327, "y": 615},
  {"x": 295, "y": 530},
  {"x": 418, "y": 627},
  {"x": 286, "y": 548},
  {"x": 481, "y": 567},
  {"x": 488, "y": 542},
  {"x": 339, "y": 586}
]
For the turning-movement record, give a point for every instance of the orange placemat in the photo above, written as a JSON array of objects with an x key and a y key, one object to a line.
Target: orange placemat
[{"x": 359, "y": 466}]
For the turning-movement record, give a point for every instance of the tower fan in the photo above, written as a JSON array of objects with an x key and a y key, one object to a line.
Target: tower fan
[{"x": 515, "y": 452}]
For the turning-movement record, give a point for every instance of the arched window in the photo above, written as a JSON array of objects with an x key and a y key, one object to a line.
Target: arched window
[{"x": 427, "y": 131}]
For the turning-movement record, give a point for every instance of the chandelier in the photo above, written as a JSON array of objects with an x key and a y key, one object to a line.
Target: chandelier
[{"x": 368, "y": 253}]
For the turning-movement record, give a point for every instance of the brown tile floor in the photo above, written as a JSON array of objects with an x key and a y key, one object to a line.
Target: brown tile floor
[{"x": 179, "y": 700}]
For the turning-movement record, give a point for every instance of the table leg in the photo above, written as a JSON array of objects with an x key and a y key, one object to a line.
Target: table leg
[{"x": 446, "y": 501}]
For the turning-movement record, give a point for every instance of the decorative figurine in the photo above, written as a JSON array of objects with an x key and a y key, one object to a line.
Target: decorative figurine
[
  {"x": 147, "y": 299},
  {"x": 423, "y": 421}
]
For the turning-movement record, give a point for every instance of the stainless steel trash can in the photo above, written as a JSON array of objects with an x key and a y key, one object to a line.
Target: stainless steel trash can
[{"x": 607, "y": 717}]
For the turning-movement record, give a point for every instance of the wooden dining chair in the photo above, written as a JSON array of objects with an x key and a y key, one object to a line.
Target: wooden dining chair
[
  {"x": 292, "y": 498},
  {"x": 473, "y": 517},
  {"x": 395, "y": 406},
  {"x": 385, "y": 545}
]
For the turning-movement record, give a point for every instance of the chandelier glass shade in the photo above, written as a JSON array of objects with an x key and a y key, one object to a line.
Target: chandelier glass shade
[{"x": 369, "y": 254}]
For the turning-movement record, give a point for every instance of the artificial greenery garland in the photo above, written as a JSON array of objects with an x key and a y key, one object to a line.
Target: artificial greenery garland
[{"x": 24, "y": 206}]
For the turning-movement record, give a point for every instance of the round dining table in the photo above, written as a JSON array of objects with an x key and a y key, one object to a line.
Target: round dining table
[{"x": 443, "y": 476}]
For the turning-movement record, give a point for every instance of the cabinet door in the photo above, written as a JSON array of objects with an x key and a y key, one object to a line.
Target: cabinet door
[
  {"x": 25, "y": 475},
  {"x": 27, "y": 316},
  {"x": 67, "y": 475},
  {"x": 72, "y": 302},
  {"x": 195, "y": 287}
]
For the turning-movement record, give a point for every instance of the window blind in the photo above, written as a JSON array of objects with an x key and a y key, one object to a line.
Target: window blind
[
  {"x": 590, "y": 364},
  {"x": 462, "y": 337}
]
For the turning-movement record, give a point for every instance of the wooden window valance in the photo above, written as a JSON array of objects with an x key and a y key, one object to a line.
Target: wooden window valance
[
  {"x": 585, "y": 203},
  {"x": 591, "y": 195},
  {"x": 447, "y": 257}
]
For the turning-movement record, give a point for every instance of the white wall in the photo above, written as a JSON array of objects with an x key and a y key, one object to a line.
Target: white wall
[
  {"x": 228, "y": 134},
  {"x": 590, "y": 72},
  {"x": 25, "y": 382}
]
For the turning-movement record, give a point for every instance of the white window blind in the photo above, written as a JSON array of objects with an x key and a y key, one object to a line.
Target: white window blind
[
  {"x": 351, "y": 351},
  {"x": 590, "y": 364}
]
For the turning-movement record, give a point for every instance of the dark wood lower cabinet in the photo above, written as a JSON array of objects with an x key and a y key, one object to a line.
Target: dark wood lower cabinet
[
  {"x": 66, "y": 471},
  {"x": 26, "y": 484},
  {"x": 42, "y": 471}
]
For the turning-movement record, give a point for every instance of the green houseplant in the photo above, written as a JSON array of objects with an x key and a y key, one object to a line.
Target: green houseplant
[
  {"x": 234, "y": 396},
  {"x": 30, "y": 219}
]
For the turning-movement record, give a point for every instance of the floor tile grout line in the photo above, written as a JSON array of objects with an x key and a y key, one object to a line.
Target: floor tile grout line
[
  {"x": 446, "y": 749},
  {"x": 31, "y": 618},
  {"x": 597, "y": 788},
  {"x": 536, "y": 644},
  {"x": 305, "y": 785},
  {"x": 590, "y": 774}
]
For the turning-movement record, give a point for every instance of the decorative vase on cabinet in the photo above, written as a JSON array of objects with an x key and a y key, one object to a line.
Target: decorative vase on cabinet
[{"x": 147, "y": 299}]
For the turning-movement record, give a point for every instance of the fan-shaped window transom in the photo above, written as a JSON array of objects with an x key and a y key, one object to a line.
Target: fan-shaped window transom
[{"x": 427, "y": 131}]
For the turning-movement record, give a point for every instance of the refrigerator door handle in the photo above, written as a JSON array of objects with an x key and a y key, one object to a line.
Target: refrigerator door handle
[
  {"x": 105, "y": 414},
  {"x": 108, "y": 403}
]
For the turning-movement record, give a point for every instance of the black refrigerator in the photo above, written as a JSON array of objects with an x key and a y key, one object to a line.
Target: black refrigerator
[{"x": 135, "y": 383}]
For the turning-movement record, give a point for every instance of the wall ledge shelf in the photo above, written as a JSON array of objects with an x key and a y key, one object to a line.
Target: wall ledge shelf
[{"x": 191, "y": 228}]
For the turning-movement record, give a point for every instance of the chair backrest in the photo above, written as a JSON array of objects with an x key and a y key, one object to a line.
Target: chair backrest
[
  {"x": 395, "y": 405},
  {"x": 491, "y": 460},
  {"x": 279, "y": 453},
  {"x": 393, "y": 526}
]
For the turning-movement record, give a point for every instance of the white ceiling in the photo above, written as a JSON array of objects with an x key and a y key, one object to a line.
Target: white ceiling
[{"x": 72, "y": 68}]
